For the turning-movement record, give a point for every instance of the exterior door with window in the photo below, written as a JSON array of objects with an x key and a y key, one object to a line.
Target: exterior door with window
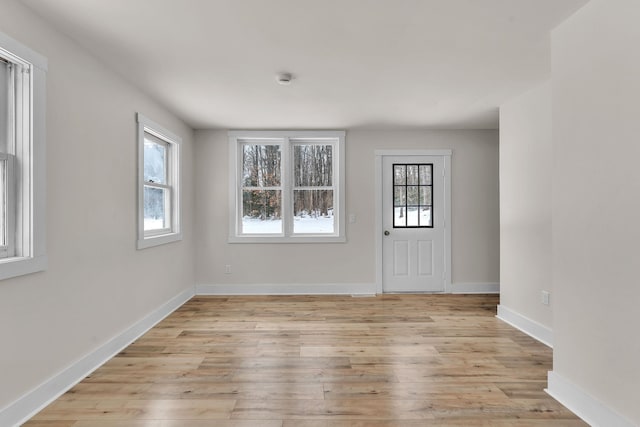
[{"x": 413, "y": 243}]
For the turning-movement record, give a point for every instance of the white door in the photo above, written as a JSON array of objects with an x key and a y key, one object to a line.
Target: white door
[{"x": 413, "y": 223}]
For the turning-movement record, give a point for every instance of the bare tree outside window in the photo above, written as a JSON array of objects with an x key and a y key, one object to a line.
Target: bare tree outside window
[
  {"x": 312, "y": 193},
  {"x": 262, "y": 191},
  {"x": 313, "y": 188}
]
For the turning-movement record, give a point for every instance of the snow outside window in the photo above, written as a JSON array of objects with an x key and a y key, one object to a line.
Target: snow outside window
[
  {"x": 286, "y": 186},
  {"x": 158, "y": 198},
  {"x": 22, "y": 159}
]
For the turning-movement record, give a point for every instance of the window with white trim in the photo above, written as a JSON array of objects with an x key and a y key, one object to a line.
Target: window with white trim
[
  {"x": 22, "y": 159},
  {"x": 286, "y": 186},
  {"x": 158, "y": 184}
]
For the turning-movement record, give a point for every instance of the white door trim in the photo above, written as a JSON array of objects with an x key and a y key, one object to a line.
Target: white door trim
[{"x": 446, "y": 154}]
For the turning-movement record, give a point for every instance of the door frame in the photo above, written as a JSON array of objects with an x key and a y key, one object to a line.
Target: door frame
[{"x": 446, "y": 155}]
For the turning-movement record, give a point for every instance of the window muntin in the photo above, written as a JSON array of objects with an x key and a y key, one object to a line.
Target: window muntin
[
  {"x": 22, "y": 159},
  {"x": 413, "y": 195},
  {"x": 159, "y": 207},
  {"x": 286, "y": 186}
]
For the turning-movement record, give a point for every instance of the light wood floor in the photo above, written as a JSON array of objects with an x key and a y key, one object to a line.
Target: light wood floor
[{"x": 326, "y": 361}]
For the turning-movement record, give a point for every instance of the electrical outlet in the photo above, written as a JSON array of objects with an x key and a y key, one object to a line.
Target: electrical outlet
[
  {"x": 227, "y": 269},
  {"x": 545, "y": 297},
  {"x": 352, "y": 218}
]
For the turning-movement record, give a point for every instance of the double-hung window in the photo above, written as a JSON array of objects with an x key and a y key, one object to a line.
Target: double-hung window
[
  {"x": 286, "y": 186},
  {"x": 22, "y": 159},
  {"x": 158, "y": 184}
]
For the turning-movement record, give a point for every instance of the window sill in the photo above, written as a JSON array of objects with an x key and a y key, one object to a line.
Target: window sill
[
  {"x": 19, "y": 266},
  {"x": 161, "y": 239},
  {"x": 291, "y": 239}
]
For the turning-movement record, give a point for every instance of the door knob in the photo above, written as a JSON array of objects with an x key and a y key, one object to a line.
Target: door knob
[{"x": 386, "y": 232}]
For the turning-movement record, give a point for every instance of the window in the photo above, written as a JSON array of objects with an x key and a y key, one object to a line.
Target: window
[
  {"x": 286, "y": 186},
  {"x": 158, "y": 186},
  {"x": 412, "y": 195},
  {"x": 22, "y": 159}
]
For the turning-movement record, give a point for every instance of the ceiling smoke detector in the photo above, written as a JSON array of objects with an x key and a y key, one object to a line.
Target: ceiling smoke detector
[{"x": 284, "y": 78}]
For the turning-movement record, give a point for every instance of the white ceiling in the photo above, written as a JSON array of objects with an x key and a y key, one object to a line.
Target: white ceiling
[{"x": 356, "y": 63}]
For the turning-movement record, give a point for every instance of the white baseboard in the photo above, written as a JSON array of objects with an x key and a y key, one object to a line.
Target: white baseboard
[
  {"x": 288, "y": 289},
  {"x": 474, "y": 288},
  {"x": 327, "y": 289},
  {"x": 34, "y": 401},
  {"x": 526, "y": 325},
  {"x": 587, "y": 407}
]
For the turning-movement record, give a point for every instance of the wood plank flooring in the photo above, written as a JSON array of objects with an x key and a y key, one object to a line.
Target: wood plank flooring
[{"x": 321, "y": 361}]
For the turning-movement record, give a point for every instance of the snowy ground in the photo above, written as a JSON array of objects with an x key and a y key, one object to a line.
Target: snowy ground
[
  {"x": 258, "y": 226},
  {"x": 301, "y": 225},
  {"x": 153, "y": 224},
  {"x": 312, "y": 225},
  {"x": 411, "y": 217}
]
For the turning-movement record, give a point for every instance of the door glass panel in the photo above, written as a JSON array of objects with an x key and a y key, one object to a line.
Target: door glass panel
[
  {"x": 400, "y": 196},
  {"x": 412, "y": 174},
  {"x": 399, "y": 174},
  {"x": 412, "y": 195},
  {"x": 425, "y": 216},
  {"x": 399, "y": 216},
  {"x": 425, "y": 174},
  {"x": 425, "y": 196}
]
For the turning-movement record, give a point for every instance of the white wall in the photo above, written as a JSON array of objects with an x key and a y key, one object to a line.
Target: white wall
[
  {"x": 475, "y": 231},
  {"x": 97, "y": 283},
  {"x": 596, "y": 203},
  {"x": 525, "y": 204}
]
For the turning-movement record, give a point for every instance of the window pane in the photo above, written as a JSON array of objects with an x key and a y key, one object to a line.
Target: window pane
[
  {"x": 261, "y": 212},
  {"x": 412, "y": 196},
  {"x": 412, "y": 216},
  {"x": 425, "y": 174},
  {"x": 313, "y": 211},
  {"x": 425, "y": 196},
  {"x": 312, "y": 165},
  {"x": 399, "y": 174},
  {"x": 412, "y": 174},
  {"x": 155, "y": 162},
  {"x": 156, "y": 208},
  {"x": 425, "y": 216},
  {"x": 399, "y": 196},
  {"x": 261, "y": 165},
  {"x": 400, "y": 217}
]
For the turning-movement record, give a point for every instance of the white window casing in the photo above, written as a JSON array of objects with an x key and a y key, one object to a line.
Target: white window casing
[
  {"x": 22, "y": 159},
  {"x": 7, "y": 206},
  {"x": 284, "y": 231},
  {"x": 168, "y": 186}
]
